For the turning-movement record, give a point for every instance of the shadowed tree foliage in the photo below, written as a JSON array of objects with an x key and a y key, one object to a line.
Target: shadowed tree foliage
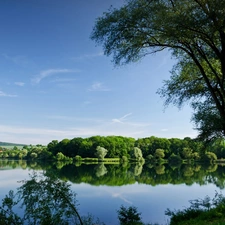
[
  {"x": 194, "y": 32},
  {"x": 129, "y": 216}
]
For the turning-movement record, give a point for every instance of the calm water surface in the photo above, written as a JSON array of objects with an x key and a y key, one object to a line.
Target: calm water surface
[{"x": 103, "y": 200}]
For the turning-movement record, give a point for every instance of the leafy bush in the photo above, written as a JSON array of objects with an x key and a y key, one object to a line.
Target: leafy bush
[{"x": 206, "y": 209}]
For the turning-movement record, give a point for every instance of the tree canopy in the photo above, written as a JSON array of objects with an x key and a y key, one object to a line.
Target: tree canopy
[{"x": 194, "y": 32}]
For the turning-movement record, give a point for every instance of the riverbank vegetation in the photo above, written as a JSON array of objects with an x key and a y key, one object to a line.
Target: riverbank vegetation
[
  {"x": 118, "y": 148},
  {"x": 200, "y": 212}
]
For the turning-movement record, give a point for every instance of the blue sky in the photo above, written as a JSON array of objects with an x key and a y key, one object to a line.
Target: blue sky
[{"x": 55, "y": 83}]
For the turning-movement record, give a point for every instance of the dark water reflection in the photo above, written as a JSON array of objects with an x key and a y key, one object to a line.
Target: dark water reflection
[
  {"x": 123, "y": 174},
  {"x": 102, "y": 188}
]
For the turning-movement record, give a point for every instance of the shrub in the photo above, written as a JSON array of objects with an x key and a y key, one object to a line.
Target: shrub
[{"x": 78, "y": 158}]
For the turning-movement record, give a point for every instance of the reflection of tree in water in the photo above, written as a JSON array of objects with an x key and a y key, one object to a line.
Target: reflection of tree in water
[
  {"x": 212, "y": 168},
  {"x": 188, "y": 171},
  {"x": 60, "y": 164},
  {"x": 160, "y": 169},
  {"x": 33, "y": 164},
  {"x": 197, "y": 168},
  {"x": 138, "y": 168},
  {"x": 78, "y": 163},
  {"x": 149, "y": 165},
  {"x": 128, "y": 173},
  {"x": 101, "y": 170},
  {"x": 46, "y": 200}
]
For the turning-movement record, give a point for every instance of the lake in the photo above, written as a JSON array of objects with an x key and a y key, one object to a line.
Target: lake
[{"x": 102, "y": 189}]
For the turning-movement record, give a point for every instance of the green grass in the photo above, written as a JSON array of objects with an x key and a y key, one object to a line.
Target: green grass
[{"x": 87, "y": 159}]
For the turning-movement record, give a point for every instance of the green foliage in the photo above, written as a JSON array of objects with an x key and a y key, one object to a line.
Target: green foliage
[
  {"x": 150, "y": 157},
  {"x": 61, "y": 157},
  {"x": 45, "y": 200},
  {"x": 138, "y": 168},
  {"x": 91, "y": 220},
  {"x": 101, "y": 152},
  {"x": 210, "y": 157},
  {"x": 218, "y": 147},
  {"x": 100, "y": 170},
  {"x": 124, "y": 158},
  {"x": 33, "y": 155},
  {"x": 129, "y": 216},
  {"x": 174, "y": 159},
  {"x": 155, "y": 150},
  {"x": 52, "y": 146},
  {"x": 78, "y": 158},
  {"x": 194, "y": 33},
  {"x": 7, "y": 215},
  {"x": 201, "y": 211},
  {"x": 117, "y": 147},
  {"x": 87, "y": 159},
  {"x": 137, "y": 154},
  {"x": 159, "y": 169},
  {"x": 187, "y": 153},
  {"x": 159, "y": 153}
]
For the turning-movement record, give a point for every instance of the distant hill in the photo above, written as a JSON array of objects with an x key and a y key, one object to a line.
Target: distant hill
[{"x": 5, "y": 144}]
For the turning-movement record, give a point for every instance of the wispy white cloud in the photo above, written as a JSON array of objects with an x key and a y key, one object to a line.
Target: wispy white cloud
[
  {"x": 3, "y": 94},
  {"x": 21, "y": 84},
  {"x": 98, "y": 86},
  {"x": 50, "y": 72},
  {"x": 121, "y": 119},
  {"x": 123, "y": 198},
  {"x": 124, "y": 120},
  {"x": 88, "y": 56}
]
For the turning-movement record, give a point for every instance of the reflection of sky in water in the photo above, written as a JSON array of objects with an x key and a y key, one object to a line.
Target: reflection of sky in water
[
  {"x": 10, "y": 178},
  {"x": 103, "y": 201}
]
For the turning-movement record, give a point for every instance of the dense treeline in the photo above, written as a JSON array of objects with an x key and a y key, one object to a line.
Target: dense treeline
[
  {"x": 125, "y": 148},
  {"x": 119, "y": 147}
]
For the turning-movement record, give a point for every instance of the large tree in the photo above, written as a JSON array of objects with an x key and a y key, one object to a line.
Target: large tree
[{"x": 194, "y": 32}]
